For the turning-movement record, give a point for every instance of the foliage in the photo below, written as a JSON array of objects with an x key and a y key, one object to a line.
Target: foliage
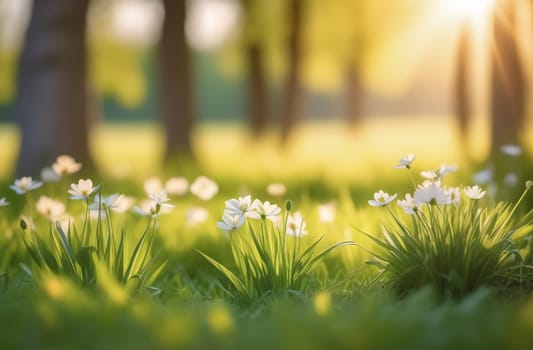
[
  {"x": 78, "y": 254},
  {"x": 270, "y": 261}
]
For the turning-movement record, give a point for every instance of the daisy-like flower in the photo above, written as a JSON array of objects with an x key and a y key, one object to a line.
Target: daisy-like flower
[
  {"x": 231, "y": 222},
  {"x": 49, "y": 175},
  {"x": 511, "y": 150},
  {"x": 204, "y": 188},
  {"x": 82, "y": 190},
  {"x": 446, "y": 169},
  {"x": 3, "y": 202},
  {"x": 160, "y": 200},
  {"x": 177, "y": 186},
  {"x": 326, "y": 212},
  {"x": 276, "y": 189},
  {"x": 145, "y": 208},
  {"x": 153, "y": 185},
  {"x": 454, "y": 194},
  {"x": 196, "y": 216},
  {"x": 241, "y": 206},
  {"x": 405, "y": 162},
  {"x": 409, "y": 205},
  {"x": 474, "y": 192},
  {"x": 50, "y": 208},
  {"x": 430, "y": 194},
  {"x": 109, "y": 202},
  {"x": 381, "y": 199},
  {"x": 25, "y": 184},
  {"x": 296, "y": 225},
  {"x": 266, "y": 210},
  {"x": 122, "y": 204},
  {"x": 65, "y": 165}
]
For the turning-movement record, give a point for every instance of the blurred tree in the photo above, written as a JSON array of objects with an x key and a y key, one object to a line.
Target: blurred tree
[
  {"x": 462, "y": 82},
  {"x": 176, "y": 81},
  {"x": 292, "y": 108},
  {"x": 257, "y": 84},
  {"x": 508, "y": 81},
  {"x": 51, "y": 104}
]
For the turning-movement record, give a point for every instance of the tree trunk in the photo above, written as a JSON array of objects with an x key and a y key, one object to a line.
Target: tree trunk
[
  {"x": 354, "y": 96},
  {"x": 508, "y": 85},
  {"x": 462, "y": 99},
  {"x": 50, "y": 106},
  {"x": 176, "y": 81},
  {"x": 293, "y": 93},
  {"x": 257, "y": 92}
]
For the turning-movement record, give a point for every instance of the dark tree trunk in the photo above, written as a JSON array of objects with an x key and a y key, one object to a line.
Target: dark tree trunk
[
  {"x": 354, "y": 97},
  {"x": 293, "y": 93},
  {"x": 50, "y": 106},
  {"x": 257, "y": 92},
  {"x": 176, "y": 81},
  {"x": 462, "y": 82},
  {"x": 508, "y": 85}
]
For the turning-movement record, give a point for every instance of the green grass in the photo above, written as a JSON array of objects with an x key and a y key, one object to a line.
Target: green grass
[{"x": 346, "y": 304}]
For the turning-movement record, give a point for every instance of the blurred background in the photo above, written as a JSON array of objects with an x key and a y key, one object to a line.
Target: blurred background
[{"x": 351, "y": 78}]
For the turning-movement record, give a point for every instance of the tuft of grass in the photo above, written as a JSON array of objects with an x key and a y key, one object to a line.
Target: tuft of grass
[
  {"x": 269, "y": 261},
  {"x": 458, "y": 249},
  {"x": 81, "y": 254}
]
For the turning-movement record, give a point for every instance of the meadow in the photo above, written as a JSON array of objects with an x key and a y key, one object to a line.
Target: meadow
[{"x": 322, "y": 259}]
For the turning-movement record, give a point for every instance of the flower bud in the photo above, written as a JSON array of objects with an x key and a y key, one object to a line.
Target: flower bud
[
  {"x": 288, "y": 205},
  {"x": 529, "y": 184}
]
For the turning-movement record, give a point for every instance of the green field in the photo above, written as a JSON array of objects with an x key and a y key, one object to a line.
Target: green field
[{"x": 61, "y": 290}]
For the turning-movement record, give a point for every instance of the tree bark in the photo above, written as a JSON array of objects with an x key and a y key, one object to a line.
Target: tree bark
[
  {"x": 176, "y": 81},
  {"x": 462, "y": 99},
  {"x": 354, "y": 96},
  {"x": 508, "y": 85},
  {"x": 50, "y": 105},
  {"x": 257, "y": 92},
  {"x": 293, "y": 93}
]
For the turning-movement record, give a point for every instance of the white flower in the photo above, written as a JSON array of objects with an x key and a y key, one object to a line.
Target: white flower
[
  {"x": 511, "y": 179},
  {"x": 109, "y": 202},
  {"x": 431, "y": 175},
  {"x": 296, "y": 225},
  {"x": 146, "y": 208},
  {"x": 196, "y": 216},
  {"x": 204, "y": 188},
  {"x": 454, "y": 195},
  {"x": 25, "y": 184},
  {"x": 511, "y": 150},
  {"x": 405, "y": 162},
  {"x": 65, "y": 165},
  {"x": 177, "y": 186},
  {"x": 446, "y": 169},
  {"x": 152, "y": 185},
  {"x": 326, "y": 212},
  {"x": 160, "y": 200},
  {"x": 122, "y": 204},
  {"x": 483, "y": 177},
  {"x": 474, "y": 192},
  {"x": 409, "y": 205},
  {"x": 50, "y": 208},
  {"x": 430, "y": 194},
  {"x": 82, "y": 190},
  {"x": 3, "y": 202},
  {"x": 231, "y": 222},
  {"x": 381, "y": 199},
  {"x": 267, "y": 210},
  {"x": 276, "y": 189},
  {"x": 436, "y": 175},
  {"x": 49, "y": 175},
  {"x": 241, "y": 206}
]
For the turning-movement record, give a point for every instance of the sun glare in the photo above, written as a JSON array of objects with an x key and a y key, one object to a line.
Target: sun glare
[{"x": 472, "y": 9}]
